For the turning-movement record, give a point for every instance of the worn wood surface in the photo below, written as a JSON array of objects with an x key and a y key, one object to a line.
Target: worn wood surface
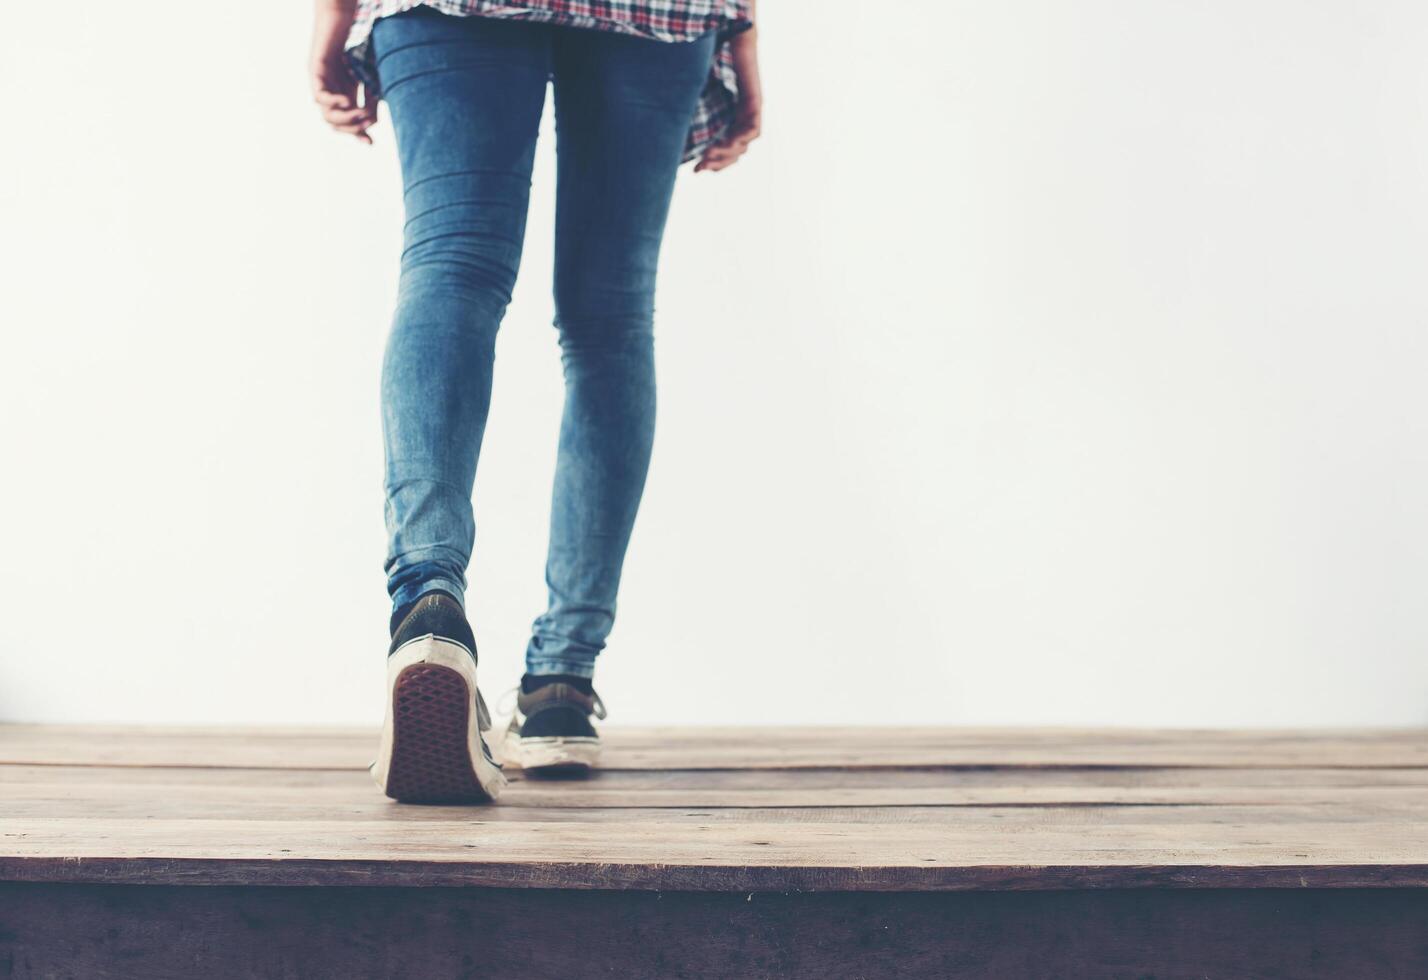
[
  {"x": 166, "y": 933},
  {"x": 751, "y": 748},
  {"x": 964, "y": 810}
]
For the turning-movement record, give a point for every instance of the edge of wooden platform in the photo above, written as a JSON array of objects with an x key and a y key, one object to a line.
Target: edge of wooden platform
[{"x": 700, "y": 878}]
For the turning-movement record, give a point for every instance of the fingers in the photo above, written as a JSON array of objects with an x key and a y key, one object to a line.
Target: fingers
[
  {"x": 354, "y": 122},
  {"x": 719, "y": 156},
  {"x": 341, "y": 118},
  {"x": 333, "y": 87},
  {"x": 328, "y": 99},
  {"x": 748, "y": 126},
  {"x": 338, "y": 104},
  {"x": 727, "y": 151}
]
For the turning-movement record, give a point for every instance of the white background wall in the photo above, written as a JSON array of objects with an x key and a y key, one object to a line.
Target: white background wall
[{"x": 1046, "y": 363}]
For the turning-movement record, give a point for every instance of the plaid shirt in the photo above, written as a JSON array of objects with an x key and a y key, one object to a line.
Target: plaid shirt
[{"x": 660, "y": 20}]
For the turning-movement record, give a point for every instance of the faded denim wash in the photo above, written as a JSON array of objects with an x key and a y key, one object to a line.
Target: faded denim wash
[{"x": 465, "y": 96}]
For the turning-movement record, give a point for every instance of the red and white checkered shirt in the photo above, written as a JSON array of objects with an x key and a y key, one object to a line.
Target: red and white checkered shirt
[{"x": 661, "y": 20}]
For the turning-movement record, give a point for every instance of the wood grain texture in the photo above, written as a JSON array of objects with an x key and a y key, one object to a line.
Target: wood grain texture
[
  {"x": 1121, "y": 809},
  {"x": 749, "y": 748},
  {"x": 723, "y": 856}
]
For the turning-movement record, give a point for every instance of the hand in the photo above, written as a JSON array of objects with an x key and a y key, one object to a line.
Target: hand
[
  {"x": 751, "y": 104},
  {"x": 334, "y": 87}
]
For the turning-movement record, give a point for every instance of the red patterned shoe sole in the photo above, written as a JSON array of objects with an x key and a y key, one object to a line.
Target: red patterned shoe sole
[{"x": 431, "y": 759}]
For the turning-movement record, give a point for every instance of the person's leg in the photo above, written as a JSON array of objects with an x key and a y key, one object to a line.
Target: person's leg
[
  {"x": 623, "y": 109},
  {"x": 465, "y": 96}
]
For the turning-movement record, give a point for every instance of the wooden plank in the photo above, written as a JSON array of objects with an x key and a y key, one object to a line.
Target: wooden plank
[
  {"x": 126, "y": 745},
  {"x": 164, "y": 933},
  {"x": 763, "y": 748},
  {"x": 89, "y": 789},
  {"x": 812, "y": 780},
  {"x": 680, "y": 855},
  {"x": 991, "y": 819},
  {"x": 1022, "y": 747},
  {"x": 258, "y": 794},
  {"x": 1348, "y": 796}
]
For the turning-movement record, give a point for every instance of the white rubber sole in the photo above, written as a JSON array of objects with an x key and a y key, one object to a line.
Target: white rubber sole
[
  {"x": 551, "y": 752},
  {"x": 432, "y": 750}
]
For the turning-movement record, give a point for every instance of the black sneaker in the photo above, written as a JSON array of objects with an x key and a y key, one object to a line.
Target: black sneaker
[
  {"x": 432, "y": 750},
  {"x": 550, "y": 732}
]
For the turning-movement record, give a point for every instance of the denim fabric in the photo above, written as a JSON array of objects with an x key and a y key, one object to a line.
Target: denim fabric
[{"x": 465, "y": 96}]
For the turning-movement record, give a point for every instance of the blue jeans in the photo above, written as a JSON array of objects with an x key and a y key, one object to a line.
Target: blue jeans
[{"x": 465, "y": 96}]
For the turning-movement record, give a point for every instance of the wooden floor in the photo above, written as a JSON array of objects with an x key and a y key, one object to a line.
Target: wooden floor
[{"x": 978, "y": 852}]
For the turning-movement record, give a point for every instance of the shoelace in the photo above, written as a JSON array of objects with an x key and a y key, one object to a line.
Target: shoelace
[{"x": 506, "y": 704}]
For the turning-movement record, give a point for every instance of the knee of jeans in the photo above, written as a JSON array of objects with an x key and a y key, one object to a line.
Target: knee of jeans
[
  {"x": 468, "y": 263},
  {"x": 615, "y": 332},
  {"x": 606, "y": 300},
  {"x": 608, "y": 316}
]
